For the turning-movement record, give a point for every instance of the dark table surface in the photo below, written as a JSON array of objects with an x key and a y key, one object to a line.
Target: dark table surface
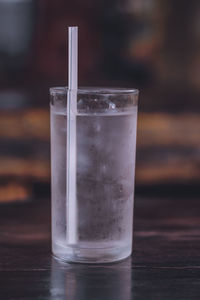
[{"x": 165, "y": 263}]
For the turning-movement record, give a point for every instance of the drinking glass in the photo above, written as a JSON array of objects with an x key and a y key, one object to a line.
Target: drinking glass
[{"x": 106, "y": 124}]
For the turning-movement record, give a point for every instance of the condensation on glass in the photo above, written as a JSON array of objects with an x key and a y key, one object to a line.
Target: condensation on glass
[{"x": 106, "y": 126}]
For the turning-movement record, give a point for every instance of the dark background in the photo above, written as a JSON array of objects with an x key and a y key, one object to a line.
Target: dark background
[{"x": 152, "y": 45}]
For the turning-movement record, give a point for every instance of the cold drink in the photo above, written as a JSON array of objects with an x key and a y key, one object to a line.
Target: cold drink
[{"x": 106, "y": 143}]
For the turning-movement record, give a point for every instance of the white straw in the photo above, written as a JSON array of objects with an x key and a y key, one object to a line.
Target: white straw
[{"x": 71, "y": 135}]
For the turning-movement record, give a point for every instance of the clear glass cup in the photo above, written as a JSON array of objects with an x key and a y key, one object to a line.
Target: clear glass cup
[{"x": 106, "y": 145}]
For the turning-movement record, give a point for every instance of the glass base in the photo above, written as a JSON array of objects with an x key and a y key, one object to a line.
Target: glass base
[{"x": 90, "y": 255}]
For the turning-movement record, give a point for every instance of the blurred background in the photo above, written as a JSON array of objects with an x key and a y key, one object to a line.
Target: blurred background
[{"x": 152, "y": 45}]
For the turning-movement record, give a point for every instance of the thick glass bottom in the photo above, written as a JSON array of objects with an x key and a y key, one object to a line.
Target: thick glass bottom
[{"x": 76, "y": 254}]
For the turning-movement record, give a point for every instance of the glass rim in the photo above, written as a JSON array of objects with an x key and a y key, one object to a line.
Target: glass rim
[{"x": 95, "y": 91}]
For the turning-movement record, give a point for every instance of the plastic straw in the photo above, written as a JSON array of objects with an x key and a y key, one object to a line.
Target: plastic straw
[{"x": 71, "y": 135}]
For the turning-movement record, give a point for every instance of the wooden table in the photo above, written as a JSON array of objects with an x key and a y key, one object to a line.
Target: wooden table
[{"x": 165, "y": 263}]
